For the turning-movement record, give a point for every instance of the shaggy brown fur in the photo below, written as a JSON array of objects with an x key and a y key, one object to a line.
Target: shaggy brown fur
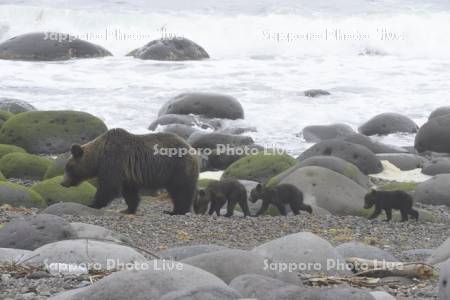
[{"x": 123, "y": 163}]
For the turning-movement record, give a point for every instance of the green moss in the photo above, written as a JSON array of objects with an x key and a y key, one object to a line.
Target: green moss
[
  {"x": 6, "y": 149},
  {"x": 17, "y": 195},
  {"x": 402, "y": 186},
  {"x": 4, "y": 116},
  {"x": 203, "y": 183},
  {"x": 52, "y": 191},
  {"x": 24, "y": 166},
  {"x": 50, "y": 131},
  {"x": 259, "y": 167}
]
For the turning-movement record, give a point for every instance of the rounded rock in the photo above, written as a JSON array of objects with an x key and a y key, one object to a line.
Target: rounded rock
[
  {"x": 403, "y": 161},
  {"x": 24, "y": 166},
  {"x": 434, "y": 135},
  {"x": 17, "y": 195},
  {"x": 317, "y": 133},
  {"x": 15, "y": 106},
  {"x": 437, "y": 167},
  {"x": 440, "y": 111},
  {"x": 360, "y": 250},
  {"x": 388, "y": 123},
  {"x": 175, "y": 49},
  {"x": 435, "y": 190},
  {"x": 182, "y": 252}
]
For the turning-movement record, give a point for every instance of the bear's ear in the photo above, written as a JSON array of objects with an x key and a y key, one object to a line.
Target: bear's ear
[
  {"x": 77, "y": 151},
  {"x": 259, "y": 187},
  {"x": 201, "y": 193}
]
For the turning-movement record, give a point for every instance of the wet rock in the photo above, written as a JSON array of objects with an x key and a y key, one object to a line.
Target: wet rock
[
  {"x": 15, "y": 106},
  {"x": 187, "y": 120},
  {"x": 434, "y": 135},
  {"x": 316, "y": 93},
  {"x": 440, "y": 111},
  {"x": 375, "y": 147},
  {"x": 317, "y": 133},
  {"x": 388, "y": 123},
  {"x": 170, "y": 49},
  {"x": 218, "y": 141}
]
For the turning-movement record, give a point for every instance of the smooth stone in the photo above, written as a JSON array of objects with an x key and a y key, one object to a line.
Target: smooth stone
[
  {"x": 374, "y": 146},
  {"x": 174, "y": 49},
  {"x": 316, "y": 93},
  {"x": 440, "y": 254},
  {"x": 32, "y": 232},
  {"x": 49, "y": 46},
  {"x": 161, "y": 278},
  {"x": 360, "y": 250},
  {"x": 187, "y": 120},
  {"x": 89, "y": 231},
  {"x": 304, "y": 248},
  {"x": 203, "y": 293},
  {"x": 434, "y": 135},
  {"x": 72, "y": 208},
  {"x": 440, "y": 111},
  {"x": 11, "y": 255},
  {"x": 91, "y": 253},
  {"x": 441, "y": 166},
  {"x": 329, "y": 190},
  {"x": 387, "y": 123},
  {"x": 358, "y": 155},
  {"x": 183, "y": 252},
  {"x": 434, "y": 191},
  {"x": 444, "y": 281},
  {"x": 317, "y": 133},
  {"x": 403, "y": 161},
  {"x": 212, "y": 141},
  {"x": 255, "y": 286},
  {"x": 380, "y": 295},
  {"x": 15, "y": 106},
  {"x": 208, "y": 105}
]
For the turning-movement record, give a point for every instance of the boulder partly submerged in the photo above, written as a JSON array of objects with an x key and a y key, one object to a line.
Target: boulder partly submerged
[
  {"x": 49, "y": 46},
  {"x": 176, "y": 49},
  {"x": 388, "y": 123}
]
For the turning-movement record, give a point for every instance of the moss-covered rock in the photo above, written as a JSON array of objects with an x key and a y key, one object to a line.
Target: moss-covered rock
[
  {"x": 17, "y": 195},
  {"x": 203, "y": 183},
  {"x": 57, "y": 166},
  {"x": 50, "y": 132},
  {"x": 6, "y": 149},
  {"x": 395, "y": 186},
  {"x": 4, "y": 116},
  {"x": 52, "y": 191},
  {"x": 24, "y": 166},
  {"x": 2, "y": 177},
  {"x": 259, "y": 167}
]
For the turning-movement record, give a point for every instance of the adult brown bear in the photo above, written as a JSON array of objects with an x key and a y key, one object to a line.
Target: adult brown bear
[{"x": 123, "y": 163}]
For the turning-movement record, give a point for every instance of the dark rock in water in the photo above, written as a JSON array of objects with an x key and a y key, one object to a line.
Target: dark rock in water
[
  {"x": 187, "y": 120},
  {"x": 204, "y": 104},
  {"x": 50, "y": 132},
  {"x": 434, "y": 135},
  {"x": 182, "y": 252},
  {"x": 317, "y": 133},
  {"x": 444, "y": 279},
  {"x": 316, "y": 93},
  {"x": 15, "y": 106},
  {"x": 374, "y": 146},
  {"x": 238, "y": 130},
  {"x": 32, "y": 232},
  {"x": 49, "y": 46},
  {"x": 204, "y": 292},
  {"x": 403, "y": 161},
  {"x": 170, "y": 49},
  {"x": 437, "y": 167},
  {"x": 438, "y": 112},
  {"x": 388, "y": 123},
  {"x": 265, "y": 288},
  {"x": 358, "y": 155},
  {"x": 200, "y": 140},
  {"x": 181, "y": 130},
  {"x": 435, "y": 190}
]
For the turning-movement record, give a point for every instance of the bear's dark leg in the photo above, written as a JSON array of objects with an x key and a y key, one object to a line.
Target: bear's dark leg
[
  {"x": 230, "y": 208},
  {"x": 414, "y": 213},
  {"x": 263, "y": 209},
  {"x": 404, "y": 213},
  {"x": 218, "y": 205},
  {"x": 103, "y": 197},
  {"x": 244, "y": 207},
  {"x": 295, "y": 207},
  {"x": 182, "y": 198},
  {"x": 376, "y": 213},
  {"x": 281, "y": 208},
  {"x": 131, "y": 196},
  {"x": 388, "y": 214},
  {"x": 211, "y": 208}
]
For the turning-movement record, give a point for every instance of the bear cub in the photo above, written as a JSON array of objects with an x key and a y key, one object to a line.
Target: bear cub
[
  {"x": 279, "y": 196},
  {"x": 389, "y": 200},
  {"x": 217, "y": 193}
]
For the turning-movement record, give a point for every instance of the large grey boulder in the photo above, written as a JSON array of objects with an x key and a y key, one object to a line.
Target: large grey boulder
[
  {"x": 444, "y": 281},
  {"x": 434, "y": 135},
  {"x": 347, "y": 293},
  {"x": 204, "y": 104},
  {"x": 317, "y": 133},
  {"x": 15, "y": 106},
  {"x": 441, "y": 166},
  {"x": 228, "y": 264},
  {"x": 309, "y": 252},
  {"x": 183, "y": 252},
  {"x": 254, "y": 286},
  {"x": 440, "y": 254},
  {"x": 187, "y": 120},
  {"x": 203, "y": 293},
  {"x": 11, "y": 255},
  {"x": 213, "y": 140},
  {"x": 329, "y": 190},
  {"x": 35, "y": 231},
  {"x": 95, "y": 255},
  {"x": 49, "y": 46},
  {"x": 338, "y": 165},
  {"x": 374, "y": 146},
  {"x": 161, "y": 278},
  {"x": 380, "y": 295},
  {"x": 18, "y": 195},
  {"x": 175, "y": 49},
  {"x": 388, "y": 123},
  {"x": 360, "y": 250},
  {"x": 440, "y": 111},
  {"x": 358, "y": 155},
  {"x": 435, "y": 191},
  {"x": 403, "y": 161},
  {"x": 72, "y": 209},
  {"x": 89, "y": 231}
]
